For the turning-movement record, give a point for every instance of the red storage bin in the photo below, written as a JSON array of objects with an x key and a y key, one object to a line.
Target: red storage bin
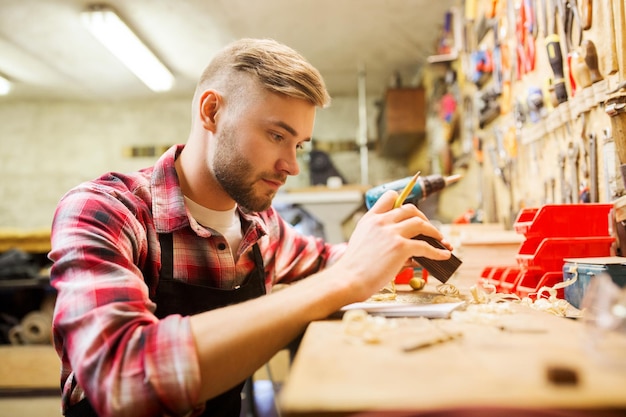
[
  {"x": 492, "y": 274},
  {"x": 509, "y": 280},
  {"x": 563, "y": 220},
  {"x": 548, "y": 255},
  {"x": 531, "y": 281},
  {"x": 553, "y": 232}
]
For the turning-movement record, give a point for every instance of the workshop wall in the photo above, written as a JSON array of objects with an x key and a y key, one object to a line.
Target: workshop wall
[
  {"x": 49, "y": 147},
  {"x": 530, "y": 147}
]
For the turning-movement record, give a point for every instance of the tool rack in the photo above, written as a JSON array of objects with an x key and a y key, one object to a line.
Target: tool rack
[{"x": 552, "y": 232}]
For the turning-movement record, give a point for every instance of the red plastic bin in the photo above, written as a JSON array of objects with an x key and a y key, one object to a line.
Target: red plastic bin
[
  {"x": 492, "y": 274},
  {"x": 531, "y": 282},
  {"x": 510, "y": 278},
  {"x": 564, "y": 220},
  {"x": 548, "y": 255}
]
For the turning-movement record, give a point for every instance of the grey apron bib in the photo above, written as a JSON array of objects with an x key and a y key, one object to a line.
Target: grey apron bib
[{"x": 177, "y": 297}]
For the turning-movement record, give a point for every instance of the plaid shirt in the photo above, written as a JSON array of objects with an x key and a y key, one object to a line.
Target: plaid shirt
[{"x": 106, "y": 265}]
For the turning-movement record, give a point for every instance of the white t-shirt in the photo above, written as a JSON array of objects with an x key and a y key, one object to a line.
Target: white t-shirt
[{"x": 226, "y": 222}]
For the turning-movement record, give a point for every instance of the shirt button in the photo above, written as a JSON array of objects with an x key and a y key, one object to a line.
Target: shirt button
[{"x": 221, "y": 246}]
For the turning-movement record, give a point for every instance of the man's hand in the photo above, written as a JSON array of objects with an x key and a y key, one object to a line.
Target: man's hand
[{"x": 382, "y": 243}]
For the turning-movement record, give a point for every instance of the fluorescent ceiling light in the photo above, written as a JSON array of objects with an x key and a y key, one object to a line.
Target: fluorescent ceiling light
[
  {"x": 5, "y": 86},
  {"x": 113, "y": 33}
]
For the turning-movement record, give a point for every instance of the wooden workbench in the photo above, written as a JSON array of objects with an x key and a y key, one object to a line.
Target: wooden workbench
[
  {"x": 334, "y": 374},
  {"x": 486, "y": 367}
]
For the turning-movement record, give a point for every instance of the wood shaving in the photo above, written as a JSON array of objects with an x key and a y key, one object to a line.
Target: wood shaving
[
  {"x": 388, "y": 293},
  {"x": 449, "y": 294},
  {"x": 552, "y": 304},
  {"x": 361, "y": 326},
  {"x": 448, "y": 289},
  {"x": 487, "y": 293},
  {"x": 406, "y": 335}
]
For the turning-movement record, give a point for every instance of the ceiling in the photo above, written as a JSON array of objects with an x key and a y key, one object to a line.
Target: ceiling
[{"x": 47, "y": 53}]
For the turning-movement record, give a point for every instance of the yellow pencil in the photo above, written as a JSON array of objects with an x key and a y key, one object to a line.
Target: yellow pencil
[{"x": 407, "y": 190}]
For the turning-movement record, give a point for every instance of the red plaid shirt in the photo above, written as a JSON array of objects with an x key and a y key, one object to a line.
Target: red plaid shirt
[{"x": 106, "y": 265}]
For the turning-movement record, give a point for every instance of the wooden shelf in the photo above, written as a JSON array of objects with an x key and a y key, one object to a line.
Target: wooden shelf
[{"x": 32, "y": 241}]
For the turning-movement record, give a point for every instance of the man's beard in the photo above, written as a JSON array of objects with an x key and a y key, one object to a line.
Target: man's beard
[{"x": 236, "y": 176}]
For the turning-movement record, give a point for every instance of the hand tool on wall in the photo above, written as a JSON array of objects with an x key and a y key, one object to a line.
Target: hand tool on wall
[
  {"x": 573, "y": 32},
  {"x": 593, "y": 168},
  {"x": 502, "y": 169},
  {"x": 506, "y": 38},
  {"x": 498, "y": 69},
  {"x": 555, "y": 57},
  {"x": 535, "y": 103},
  {"x": 424, "y": 186},
  {"x": 583, "y": 147},
  {"x": 488, "y": 107},
  {"x": 481, "y": 66},
  {"x": 613, "y": 185},
  {"x": 615, "y": 107},
  {"x": 580, "y": 76},
  {"x": 492, "y": 9},
  {"x": 546, "y": 192},
  {"x": 565, "y": 193},
  {"x": 525, "y": 31},
  {"x": 497, "y": 168},
  {"x": 572, "y": 157},
  {"x": 591, "y": 60}
]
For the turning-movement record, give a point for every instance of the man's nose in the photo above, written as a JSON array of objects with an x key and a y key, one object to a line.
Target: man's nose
[{"x": 289, "y": 164}]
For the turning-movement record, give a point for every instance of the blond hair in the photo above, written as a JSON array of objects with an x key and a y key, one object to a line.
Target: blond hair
[{"x": 277, "y": 68}]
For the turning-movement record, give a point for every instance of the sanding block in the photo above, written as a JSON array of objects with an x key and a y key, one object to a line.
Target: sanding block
[{"x": 442, "y": 270}]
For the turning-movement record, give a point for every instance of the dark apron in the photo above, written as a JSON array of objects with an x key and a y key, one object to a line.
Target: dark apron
[{"x": 177, "y": 297}]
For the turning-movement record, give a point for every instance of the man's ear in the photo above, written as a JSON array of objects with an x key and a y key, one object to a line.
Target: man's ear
[{"x": 210, "y": 101}]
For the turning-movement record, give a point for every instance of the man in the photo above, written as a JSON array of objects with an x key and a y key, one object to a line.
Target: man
[{"x": 159, "y": 273}]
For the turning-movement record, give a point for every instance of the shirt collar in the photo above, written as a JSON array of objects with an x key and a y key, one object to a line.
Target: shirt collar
[{"x": 168, "y": 203}]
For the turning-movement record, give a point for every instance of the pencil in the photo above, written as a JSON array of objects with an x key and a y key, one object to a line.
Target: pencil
[{"x": 407, "y": 190}]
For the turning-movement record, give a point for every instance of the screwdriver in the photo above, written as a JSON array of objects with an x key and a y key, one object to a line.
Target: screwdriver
[{"x": 555, "y": 57}]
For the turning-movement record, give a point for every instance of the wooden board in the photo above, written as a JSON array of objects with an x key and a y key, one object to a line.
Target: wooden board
[
  {"x": 36, "y": 366},
  {"x": 33, "y": 241},
  {"x": 334, "y": 373}
]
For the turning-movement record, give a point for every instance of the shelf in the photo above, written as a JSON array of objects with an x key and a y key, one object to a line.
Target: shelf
[{"x": 39, "y": 282}]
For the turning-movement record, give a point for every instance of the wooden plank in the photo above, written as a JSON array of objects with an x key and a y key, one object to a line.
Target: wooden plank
[
  {"x": 485, "y": 367},
  {"x": 30, "y": 407},
  {"x": 33, "y": 366},
  {"x": 33, "y": 241}
]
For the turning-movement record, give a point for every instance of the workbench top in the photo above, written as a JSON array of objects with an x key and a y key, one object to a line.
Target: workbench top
[{"x": 522, "y": 358}]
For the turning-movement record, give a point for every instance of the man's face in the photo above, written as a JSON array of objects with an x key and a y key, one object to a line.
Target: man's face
[{"x": 256, "y": 147}]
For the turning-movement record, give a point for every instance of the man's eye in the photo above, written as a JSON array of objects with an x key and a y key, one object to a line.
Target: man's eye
[
  {"x": 300, "y": 146},
  {"x": 276, "y": 136}
]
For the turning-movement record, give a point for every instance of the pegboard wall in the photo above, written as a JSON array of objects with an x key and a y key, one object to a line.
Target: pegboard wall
[{"x": 541, "y": 94}]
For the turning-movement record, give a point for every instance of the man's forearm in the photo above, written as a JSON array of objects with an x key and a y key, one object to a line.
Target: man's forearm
[{"x": 235, "y": 341}]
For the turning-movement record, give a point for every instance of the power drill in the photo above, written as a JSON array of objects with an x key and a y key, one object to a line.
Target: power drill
[{"x": 424, "y": 187}]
